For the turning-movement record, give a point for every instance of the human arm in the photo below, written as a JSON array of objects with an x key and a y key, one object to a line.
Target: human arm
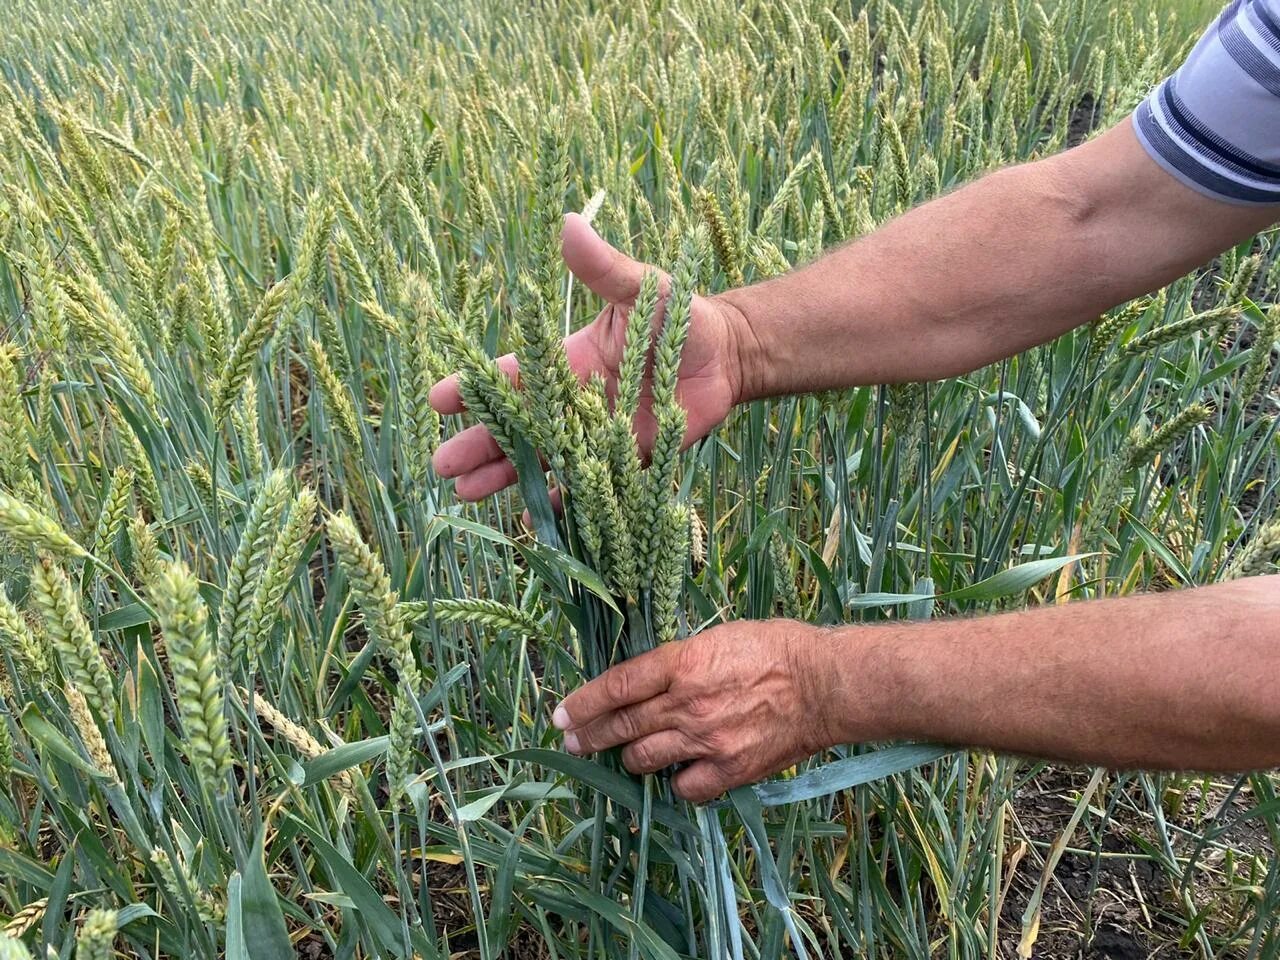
[
  {"x": 1009, "y": 261},
  {"x": 1187, "y": 680}
]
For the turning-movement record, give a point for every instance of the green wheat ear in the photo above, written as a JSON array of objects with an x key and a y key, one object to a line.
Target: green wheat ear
[
  {"x": 146, "y": 550},
  {"x": 28, "y": 525},
  {"x": 246, "y": 565},
  {"x": 11, "y": 949},
  {"x": 19, "y": 641},
  {"x": 337, "y": 399},
  {"x": 669, "y": 415},
  {"x": 641, "y": 321},
  {"x": 65, "y": 625},
  {"x": 240, "y": 362},
  {"x": 1142, "y": 449},
  {"x": 115, "y": 507},
  {"x": 389, "y": 628},
  {"x": 722, "y": 243},
  {"x": 194, "y": 663},
  {"x": 97, "y": 935},
  {"x": 1259, "y": 364},
  {"x": 286, "y": 554},
  {"x": 1258, "y": 556}
]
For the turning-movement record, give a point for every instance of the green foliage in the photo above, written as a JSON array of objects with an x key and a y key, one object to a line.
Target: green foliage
[{"x": 238, "y": 245}]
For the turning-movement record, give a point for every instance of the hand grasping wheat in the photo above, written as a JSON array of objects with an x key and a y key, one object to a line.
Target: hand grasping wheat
[{"x": 711, "y": 379}]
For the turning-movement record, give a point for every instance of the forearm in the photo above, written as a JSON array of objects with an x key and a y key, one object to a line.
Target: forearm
[
  {"x": 1008, "y": 262},
  {"x": 1186, "y": 681}
]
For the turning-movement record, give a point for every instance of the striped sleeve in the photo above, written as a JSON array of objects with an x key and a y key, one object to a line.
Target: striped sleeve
[{"x": 1215, "y": 123}]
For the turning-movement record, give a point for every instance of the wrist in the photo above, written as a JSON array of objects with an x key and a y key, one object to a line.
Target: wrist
[
  {"x": 866, "y": 679},
  {"x": 748, "y": 355}
]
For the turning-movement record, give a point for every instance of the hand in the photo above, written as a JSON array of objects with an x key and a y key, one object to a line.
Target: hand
[
  {"x": 737, "y": 703},
  {"x": 710, "y": 380}
]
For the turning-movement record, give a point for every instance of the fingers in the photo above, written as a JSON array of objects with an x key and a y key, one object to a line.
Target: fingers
[
  {"x": 701, "y": 782},
  {"x": 557, "y": 504},
  {"x": 476, "y": 461},
  {"x": 471, "y": 456},
  {"x": 464, "y": 452},
  {"x": 661, "y": 750},
  {"x": 607, "y": 272},
  {"x": 621, "y": 726},
  {"x": 446, "y": 399},
  {"x": 632, "y": 681},
  {"x": 444, "y": 396},
  {"x": 485, "y": 481}
]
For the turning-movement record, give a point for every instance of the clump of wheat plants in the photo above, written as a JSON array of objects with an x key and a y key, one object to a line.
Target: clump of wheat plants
[{"x": 270, "y": 687}]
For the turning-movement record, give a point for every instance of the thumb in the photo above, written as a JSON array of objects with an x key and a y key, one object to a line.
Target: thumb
[{"x": 607, "y": 272}]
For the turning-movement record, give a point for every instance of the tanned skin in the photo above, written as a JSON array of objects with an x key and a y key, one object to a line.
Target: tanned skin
[{"x": 1185, "y": 680}]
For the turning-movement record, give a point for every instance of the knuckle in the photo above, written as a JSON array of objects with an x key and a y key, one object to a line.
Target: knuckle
[
  {"x": 639, "y": 758},
  {"x": 716, "y": 742},
  {"x": 701, "y": 708},
  {"x": 687, "y": 657},
  {"x": 617, "y": 685},
  {"x": 626, "y": 726},
  {"x": 735, "y": 766}
]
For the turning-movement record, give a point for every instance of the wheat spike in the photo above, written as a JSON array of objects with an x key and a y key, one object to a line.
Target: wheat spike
[
  {"x": 1260, "y": 355},
  {"x": 146, "y": 550},
  {"x": 207, "y": 908},
  {"x": 1142, "y": 449},
  {"x": 90, "y": 735},
  {"x": 286, "y": 554},
  {"x": 82, "y": 661},
  {"x": 240, "y": 362},
  {"x": 1178, "y": 329},
  {"x": 337, "y": 399},
  {"x": 670, "y": 416},
  {"x": 486, "y": 613},
  {"x": 115, "y": 506},
  {"x": 28, "y": 525},
  {"x": 668, "y": 574},
  {"x": 14, "y": 468},
  {"x": 12, "y": 948},
  {"x": 194, "y": 664},
  {"x": 26, "y": 918},
  {"x": 97, "y": 935},
  {"x": 298, "y": 737},
  {"x": 1258, "y": 556},
  {"x": 247, "y": 563},
  {"x": 21, "y": 643}
]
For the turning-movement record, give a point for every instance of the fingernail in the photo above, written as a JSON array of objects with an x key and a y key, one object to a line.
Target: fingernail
[
  {"x": 560, "y": 718},
  {"x": 571, "y": 742}
]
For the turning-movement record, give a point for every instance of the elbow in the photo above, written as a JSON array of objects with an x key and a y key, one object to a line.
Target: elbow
[{"x": 1065, "y": 187}]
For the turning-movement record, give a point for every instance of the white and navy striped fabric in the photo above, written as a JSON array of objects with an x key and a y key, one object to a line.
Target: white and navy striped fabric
[{"x": 1215, "y": 124}]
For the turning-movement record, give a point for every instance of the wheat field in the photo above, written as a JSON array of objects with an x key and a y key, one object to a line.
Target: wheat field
[{"x": 271, "y": 689}]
